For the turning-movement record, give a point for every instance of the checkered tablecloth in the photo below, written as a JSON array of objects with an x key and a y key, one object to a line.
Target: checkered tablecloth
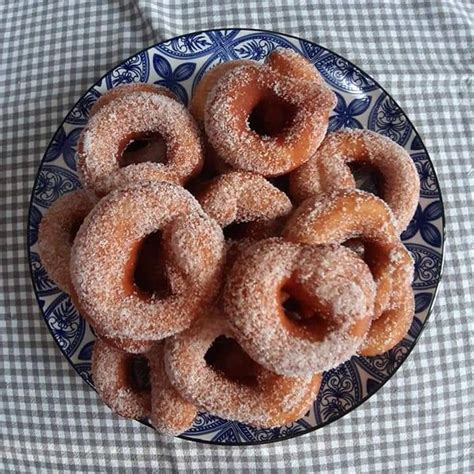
[{"x": 421, "y": 52}]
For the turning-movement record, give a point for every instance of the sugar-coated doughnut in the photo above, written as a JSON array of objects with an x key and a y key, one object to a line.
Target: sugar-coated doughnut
[
  {"x": 213, "y": 165},
  {"x": 347, "y": 214},
  {"x": 328, "y": 289},
  {"x": 149, "y": 396},
  {"x": 146, "y": 149},
  {"x": 242, "y": 91},
  {"x": 112, "y": 376},
  {"x": 328, "y": 170},
  {"x": 170, "y": 413},
  {"x": 131, "y": 117},
  {"x": 105, "y": 252},
  {"x": 57, "y": 231},
  {"x": 237, "y": 388}
]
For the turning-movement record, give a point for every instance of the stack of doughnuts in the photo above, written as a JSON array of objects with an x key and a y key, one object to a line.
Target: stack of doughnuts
[{"x": 222, "y": 253}]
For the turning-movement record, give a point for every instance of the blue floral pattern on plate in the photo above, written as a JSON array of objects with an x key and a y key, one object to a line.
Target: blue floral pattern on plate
[
  {"x": 428, "y": 185},
  {"x": 179, "y": 64},
  {"x": 427, "y": 266},
  {"x": 171, "y": 79},
  {"x": 80, "y": 113},
  {"x": 52, "y": 182},
  {"x": 34, "y": 222},
  {"x": 64, "y": 144},
  {"x": 422, "y": 221},
  {"x": 67, "y": 325},
  {"x": 134, "y": 69},
  {"x": 44, "y": 286},
  {"x": 388, "y": 119},
  {"x": 341, "y": 390},
  {"x": 345, "y": 113},
  {"x": 343, "y": 75},
  {"x": 383, "y": 366}
]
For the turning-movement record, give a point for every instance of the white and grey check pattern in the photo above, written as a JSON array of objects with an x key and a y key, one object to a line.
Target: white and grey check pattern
[{"x": 421, "y": 52}]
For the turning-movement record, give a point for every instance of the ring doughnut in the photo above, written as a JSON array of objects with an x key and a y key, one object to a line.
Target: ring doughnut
[
  {"x": 105, "y": 253},
  {"x": 111, "y": 373},
  {"x": 148, "y": 149},
  {"x": 250, "y": 87},
  {"x": 170, "y": 413},
  {"x": 234, "y": 386},
  {"x": 347, "y": 214},
  {"x": 328, "y": 170},
  {"x": 328, "y": 288},
  {"x": 142, "y": 115},
  {"x": 57, "y": 231},
  {"x": 131, "y": 397}
]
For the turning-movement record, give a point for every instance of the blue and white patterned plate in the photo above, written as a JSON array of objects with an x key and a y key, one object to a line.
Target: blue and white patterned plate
[{"x": 179, "y": 64}]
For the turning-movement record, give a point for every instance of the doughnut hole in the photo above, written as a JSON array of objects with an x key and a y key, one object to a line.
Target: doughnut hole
[
  {"x": 139, "y": 373},
  {"x": 150, "y": 278},
  {"x": 370, "y": 252},
  {"x": 235, "y": 231},
  {"x": 281, "y": 182},
  {"x": 227, "y": 357},
  {"x": 144, "y": 148},
  {"x": 75, "y": 226},
  {"x": 367, "y": 178},
  {"x": 256, "y": 230},
  {"x": 271, "y": 115},
  {"x": 356, "y": 245},
  {"x": 302, "y": 314}
]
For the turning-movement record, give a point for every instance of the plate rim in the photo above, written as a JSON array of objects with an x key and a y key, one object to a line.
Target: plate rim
[{"x": 442, "y": 249}]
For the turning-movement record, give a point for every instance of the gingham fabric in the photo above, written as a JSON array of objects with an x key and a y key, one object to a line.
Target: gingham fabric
[{"x": 421, "y": 52}]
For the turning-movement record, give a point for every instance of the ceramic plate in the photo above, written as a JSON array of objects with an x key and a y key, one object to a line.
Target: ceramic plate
[{"x": 179, "y": 64}]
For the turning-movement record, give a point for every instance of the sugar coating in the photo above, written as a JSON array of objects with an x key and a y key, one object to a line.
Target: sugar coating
[
  {"x": 328, "y": 170},
  {"x": 391, "y": 327},
  {"x": 334, "y": 276},
  {"x": 117, "y": 123},
  {"x": 124, "y": 89},
  {"x": 109, "y": 372},
  {"x": 273, "y": 401},
  {"x": 103, "y": 248},
  {"x": 55, "y": 235},
  {"x": 229, "y": 132},
  {"x": 132, "y": 346},
  {"x": 194, "y": 246},
  {"x": 237, "y": 197},
  {"x": 207, "y": 84},
  {"x": 351, "y": 213},
  {"x": 170, "y": 413},
  {"x": 290, "y": 63}
]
